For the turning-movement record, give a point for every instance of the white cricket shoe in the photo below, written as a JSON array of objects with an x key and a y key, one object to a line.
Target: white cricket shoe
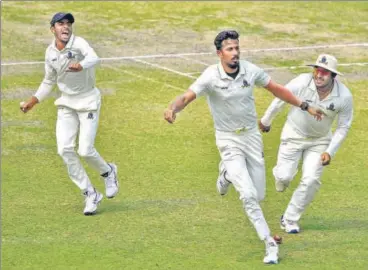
[
  {"x": 272, "y": 252},
  {"x": 289, "y": 226},
  {"x": 222, "y": 183},
  {"x": 92, "y": 200},
  {"x": 111, "y": 182},
  {"x": 281, "y": 185}
]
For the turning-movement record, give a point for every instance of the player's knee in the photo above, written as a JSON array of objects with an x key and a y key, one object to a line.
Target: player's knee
[
  {"x": 312, "y": 182},
  {"x": 67, "y": 154},
  {"x": 250, "y": 204},
  {"x": 86, "y": 152},
  {"x": 283, "y": 174},
  {"x": 248, "y": 196},
  {"x": 65, "y": 151}
]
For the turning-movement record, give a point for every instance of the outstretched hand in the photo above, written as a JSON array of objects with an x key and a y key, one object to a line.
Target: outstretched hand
[
  {"x": 318, "y": 114},
  {"x": 74, "y": 67},
  {"x": 170, "y": 116},
  {"x": 26, "y": 106},
  {"x": 325, "y": 158}
]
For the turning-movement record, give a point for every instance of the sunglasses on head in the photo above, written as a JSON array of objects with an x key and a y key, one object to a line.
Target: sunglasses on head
[{"x": 322, "y": 71}]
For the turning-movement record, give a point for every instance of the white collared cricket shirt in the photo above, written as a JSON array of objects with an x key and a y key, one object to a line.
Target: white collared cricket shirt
[
  {"x": 231, "y": 101},
  {"x": 78, "y": 90},
  {"x": 339, "y": 103}
]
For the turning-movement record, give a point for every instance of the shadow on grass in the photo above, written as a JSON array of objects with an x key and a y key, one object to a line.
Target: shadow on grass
[
  {"x": 124, "y": 206},
  {"x": 323, "y": 224}
]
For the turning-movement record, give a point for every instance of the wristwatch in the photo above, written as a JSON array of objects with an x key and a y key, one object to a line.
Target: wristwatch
[{"x": 304, "y": 106}]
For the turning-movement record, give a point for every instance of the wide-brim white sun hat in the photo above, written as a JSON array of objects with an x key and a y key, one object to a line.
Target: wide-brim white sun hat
[{"x": 328, "y": 62}]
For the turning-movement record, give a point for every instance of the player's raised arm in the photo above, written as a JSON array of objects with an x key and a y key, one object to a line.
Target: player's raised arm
[
  {"x": 178, "y": 104},
  {"x": 284, "y": 94},
  {"x": 295, "y": 86},
  {"x": 198, "y": 88}
]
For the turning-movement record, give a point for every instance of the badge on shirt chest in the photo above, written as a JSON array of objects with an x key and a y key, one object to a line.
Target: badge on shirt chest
[
  {"x": 331, "y": 107},
  {"x": 70, "y": 55},
  {"x": 245, "y": 83}
]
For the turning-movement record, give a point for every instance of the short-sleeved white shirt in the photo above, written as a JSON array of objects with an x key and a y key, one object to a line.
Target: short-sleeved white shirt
[
  {"x": 78, "y": 88},
  {"x": 339, "y": 102},
  {"x": 231, "y": 101}
]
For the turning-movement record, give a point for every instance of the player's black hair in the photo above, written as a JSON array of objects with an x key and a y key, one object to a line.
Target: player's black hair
[{"x": 227, "y": 34}]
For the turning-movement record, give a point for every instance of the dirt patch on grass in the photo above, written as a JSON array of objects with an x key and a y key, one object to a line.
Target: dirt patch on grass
[
  {"x": 127, "y": 42},
  {"x": 286, "y": 27}
]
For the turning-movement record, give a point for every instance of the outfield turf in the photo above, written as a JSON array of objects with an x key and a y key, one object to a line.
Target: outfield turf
[{"x": 168, "y": 214}]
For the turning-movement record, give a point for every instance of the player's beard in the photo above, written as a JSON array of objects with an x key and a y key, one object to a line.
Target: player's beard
[
  {"x": 323, "y": 84},
  {"x": 233, "y": 66}
]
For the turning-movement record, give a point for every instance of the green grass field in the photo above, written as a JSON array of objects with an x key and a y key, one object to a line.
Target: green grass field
[{"x": 168, "y": 214}]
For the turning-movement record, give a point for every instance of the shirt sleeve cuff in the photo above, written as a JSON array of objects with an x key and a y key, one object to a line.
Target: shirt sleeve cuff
[{"x": 266, "y": 121}]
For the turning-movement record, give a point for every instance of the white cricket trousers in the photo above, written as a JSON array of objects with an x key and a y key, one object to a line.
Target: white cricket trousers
[
  {"x": 242, "y": 156},
  {"x": 293, "y": 147},
  {"x": 69, "y": 123}
]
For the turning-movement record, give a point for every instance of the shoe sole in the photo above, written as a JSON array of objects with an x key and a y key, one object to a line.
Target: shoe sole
[
  {"x": 271, "y": 262},
  {"x": 117, "y": 182},
  {"x": 90, "y": 213},
  {"x": 93, "y": 212}
]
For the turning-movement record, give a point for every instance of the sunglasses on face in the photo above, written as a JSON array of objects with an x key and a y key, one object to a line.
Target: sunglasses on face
[{"x": 322, "y": 71}]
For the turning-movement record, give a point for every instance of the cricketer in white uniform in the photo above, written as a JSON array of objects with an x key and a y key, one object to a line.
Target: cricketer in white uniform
[
  {"x": 303, "y": 137},
  {"x": 70, "y": 63},
  {"x": 228, "y": 87}
]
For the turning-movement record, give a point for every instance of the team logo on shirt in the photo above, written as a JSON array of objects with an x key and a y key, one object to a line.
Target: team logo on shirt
[
  {"x": 245, "y": 83},
  {"x": 90, "y": 116},
  {"x": 70, "y": 55},
  {"x": 331, "y": 107}
]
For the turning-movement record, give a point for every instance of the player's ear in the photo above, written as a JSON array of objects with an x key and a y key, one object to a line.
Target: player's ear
[
  {"x": 52, "y": 29},
  {"x": 219, "y": 53}
]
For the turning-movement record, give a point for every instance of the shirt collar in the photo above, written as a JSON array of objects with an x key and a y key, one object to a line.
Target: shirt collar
[{"x": 223, "y": 74}]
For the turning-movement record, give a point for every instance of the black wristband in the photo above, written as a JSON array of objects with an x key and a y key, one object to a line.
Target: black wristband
[{"x": 304, "y": 106}]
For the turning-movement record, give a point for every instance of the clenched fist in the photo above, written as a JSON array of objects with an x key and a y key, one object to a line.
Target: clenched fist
[
  {"x": 170, "y": 116},
  {"x": 325, "y": 158}
]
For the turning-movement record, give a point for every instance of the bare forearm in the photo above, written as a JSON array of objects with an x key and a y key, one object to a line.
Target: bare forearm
[
  {"x": 283, "y": 93},
  {"x": 178, "y": 104}
]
